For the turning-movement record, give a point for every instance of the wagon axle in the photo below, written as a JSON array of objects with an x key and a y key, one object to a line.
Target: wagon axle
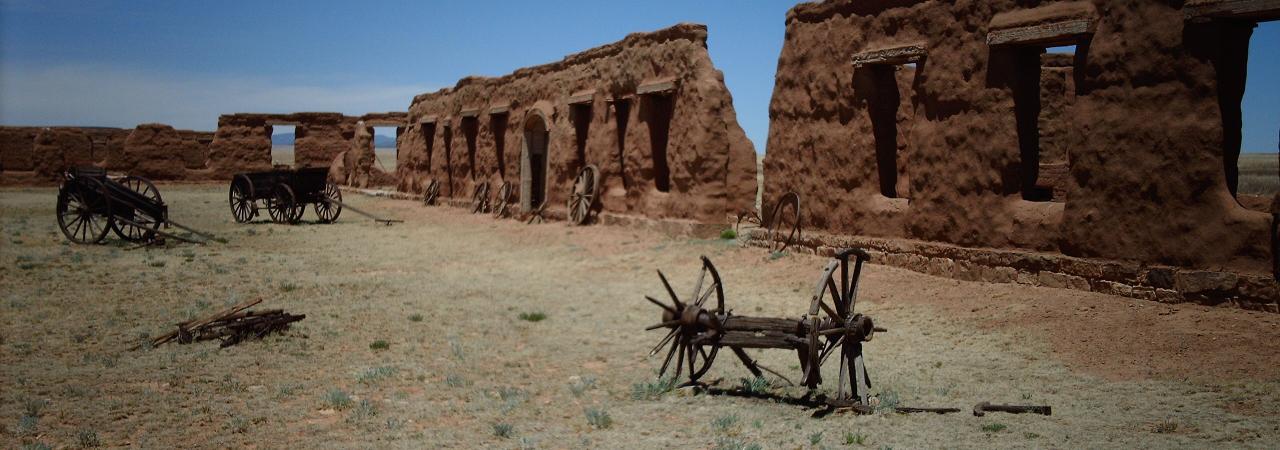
[{"x": 697, "y": 329}]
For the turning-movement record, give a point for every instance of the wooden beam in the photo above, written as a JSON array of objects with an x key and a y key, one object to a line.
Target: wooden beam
[
  {"x": 1260, "y": 10},
  {"x": 582, "y": 97},
  {"x": 897, "y": 55},
  {"x": 664, "y": 86},
  {"x": 500, "y": 109},
  {"x": 1065, "y": 32},
  {"x": 469, "y": 112},
  {"x": 429, "y": 120}
]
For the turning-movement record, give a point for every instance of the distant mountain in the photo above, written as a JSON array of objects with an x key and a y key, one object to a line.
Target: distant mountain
[{"x": 379, "y": 140}]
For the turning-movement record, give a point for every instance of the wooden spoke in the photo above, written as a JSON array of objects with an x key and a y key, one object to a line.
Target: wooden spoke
[
  {"x": 663, "y": 342},
  {"x": 670, "y": 291}
]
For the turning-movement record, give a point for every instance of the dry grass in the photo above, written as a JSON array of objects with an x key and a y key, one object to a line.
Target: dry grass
[
  {"x": 1259, "y": 173},
  {"x": 473, "y": 374}
]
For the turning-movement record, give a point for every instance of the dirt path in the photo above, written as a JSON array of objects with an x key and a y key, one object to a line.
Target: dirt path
[{"x": 1118, "y": 372}]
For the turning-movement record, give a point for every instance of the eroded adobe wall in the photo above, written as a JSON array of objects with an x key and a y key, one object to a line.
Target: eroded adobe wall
[
  {"x": 320, "y": 137},
  {"x": 17, "y": 148},
  {"x": 709, "y": 162},
  {"x": 160, "y": 152},
  {"x": 1140, "y": 138},
  {"x": 242, "y": 143}
]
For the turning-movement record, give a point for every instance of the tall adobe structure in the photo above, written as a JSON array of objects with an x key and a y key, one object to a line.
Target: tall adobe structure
[{"x": 948, "y": 123}]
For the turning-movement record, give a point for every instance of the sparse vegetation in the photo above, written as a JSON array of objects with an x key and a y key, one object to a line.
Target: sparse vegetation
[
  {"x": 379, "y": 345},
  {"x": 453, "y": 380},
  {"x": 337, "y": 399},
  {"x": 815, "y": 438},
  {"x": 728, "y": 233},
  {"x": 649, "y": 390},
  {"x": 288, "y": 287},
  {"x": 851, "y": 438},
  {"x": 1165, "y": 427},
  {"x": 415, "y": 317},
  {"x": 363, "y": 412},
  {"x": 728, "y": 443},
  {"x": 374, "y": 374},
  {"x": 598, "y": 418},
  {"x": 87, "y": 439},
  {"x": 536, "y": 316},
  {"x": 756, "y": 385},
  {"x": 503, "y": 430},
  {"x": 994, "y": 427},
  {"x": 27, "y": 426},
  {"x": 724, "y": 423}
]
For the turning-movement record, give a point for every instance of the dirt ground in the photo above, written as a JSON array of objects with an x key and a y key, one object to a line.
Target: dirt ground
[{"x": 446, "y": 291}]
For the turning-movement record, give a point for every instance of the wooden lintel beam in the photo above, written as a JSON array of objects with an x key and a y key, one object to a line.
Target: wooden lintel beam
[
  {"x": 1066, "y": 32},
  {"x": 905, "y": 54}
]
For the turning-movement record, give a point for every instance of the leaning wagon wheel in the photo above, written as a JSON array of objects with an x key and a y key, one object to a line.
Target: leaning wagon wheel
[
  {"x": 694, "y": 325},
  {"x": 240, "y": 197},
  {"x": 146, "y": 227},
  {"x": 330, "y": 205},
  {"x": 83, "y": 216},
  {"x": 833, "y": 303},
  {"x": 431, "y": 193},
  {"x": 785, "y": 218},
  {"x": 536, "y": 216},
  {"x": 282, "y": 207},
  {"x": 480, "y": 198},
  {"x": 583, "y": 197},
  {"x": 746, "y": 223},
  {"x": 502, "y": 208}
]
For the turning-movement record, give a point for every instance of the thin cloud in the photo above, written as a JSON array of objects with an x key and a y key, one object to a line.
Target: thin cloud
[{"x": 92, "y": 95}]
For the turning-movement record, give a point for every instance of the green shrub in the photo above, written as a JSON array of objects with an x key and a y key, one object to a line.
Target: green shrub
[
  {"x": 598, "y": 418},
  {"x": 379, "y": 345},
  {"x": 536, "y": 316},
  {"x": 728, "y": 233},
  {"x": 503, "y": 430}
]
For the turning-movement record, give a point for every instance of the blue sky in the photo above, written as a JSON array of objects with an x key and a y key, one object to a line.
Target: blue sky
[{"x": 118, "y": 63}]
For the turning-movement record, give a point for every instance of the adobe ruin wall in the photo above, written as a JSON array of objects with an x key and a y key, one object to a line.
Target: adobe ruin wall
[
  {"x": 650, "y": 111},
  {"x": 1130, "y": 130}
]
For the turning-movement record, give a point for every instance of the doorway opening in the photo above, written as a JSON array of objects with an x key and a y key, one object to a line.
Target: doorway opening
[
  {"x": 498, "y": 125},
  {"x": 448, "y": 157},
  {"x": 1247, "y": 95},
  {"x": 884, "y": 103},
  {"x": 1044, "y": 89},
  {"x": 429, "y": 138},
  {"x": 533, "y": 161},
  {"x": 284, "y": 136},
  {"x": 580, "y": 114},
  {"x": 385, "y": 146},
  {"x": 471, "y": 130},
  {"x": 656, "y": 110}
]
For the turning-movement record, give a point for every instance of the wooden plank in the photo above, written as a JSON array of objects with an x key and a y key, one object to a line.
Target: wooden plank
[
  {"x": 897, "y": 55},
  {"x": 500, "y": 109},
  {"x": 469, "y": 112},
  {"x": 1261, "y": 10},
  {"x": 582, "y": 97},
  {"x": 1066, "y": 32},
  {"x": 429, "y": 120},
  {"x": 664, "y": 86}
]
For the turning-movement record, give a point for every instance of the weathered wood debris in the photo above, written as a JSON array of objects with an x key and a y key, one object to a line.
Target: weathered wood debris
[{"x": 231, "y": 326}]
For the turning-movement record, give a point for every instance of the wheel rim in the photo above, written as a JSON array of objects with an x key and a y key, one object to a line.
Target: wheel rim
[
  {"x": 834, "y": 297},
  {"x": 281, "y": 206},
  {"x": 432, "y": 191},
  {"x": 583, "y": 195},
  {"x": 241, "y": 206},
  {"x": 147, "y": 225},
  {"x": 689, "y": 339},
  {"x": 77, "y": 219},
  {"x": 503, "y": 200},
  {"x": 778, "y": 222},
  {"x": 329, "y": 209},
  {"x": 480, "y": 198}
]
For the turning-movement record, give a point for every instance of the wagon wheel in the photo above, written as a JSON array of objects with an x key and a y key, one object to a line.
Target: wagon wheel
[
  {"x": 695, "y": 326},
  {"x": 843, "y": 330},
  {"x": 747, "y": 221},
  {"x": 502, "y": 208},
  {"x": 431, "y": 193},
  {"x": 282, "y": 207},
  {"x": 583, "y": 197},
  {"x": 330, "y": 205},
  {"x": 240, "y": 197},
  {"x": 146, "y": 227},
  {"x": 782, "y": 221},
  {"x": 84, "y": 216},
  {"x": 536, "y": 216},
  {"x": 480, "y": 198}
]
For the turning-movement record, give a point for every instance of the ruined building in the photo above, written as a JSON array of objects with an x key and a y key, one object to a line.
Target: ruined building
[
  {"x": 650, "y": 111},
  {"x": 932, "y": 129}
]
